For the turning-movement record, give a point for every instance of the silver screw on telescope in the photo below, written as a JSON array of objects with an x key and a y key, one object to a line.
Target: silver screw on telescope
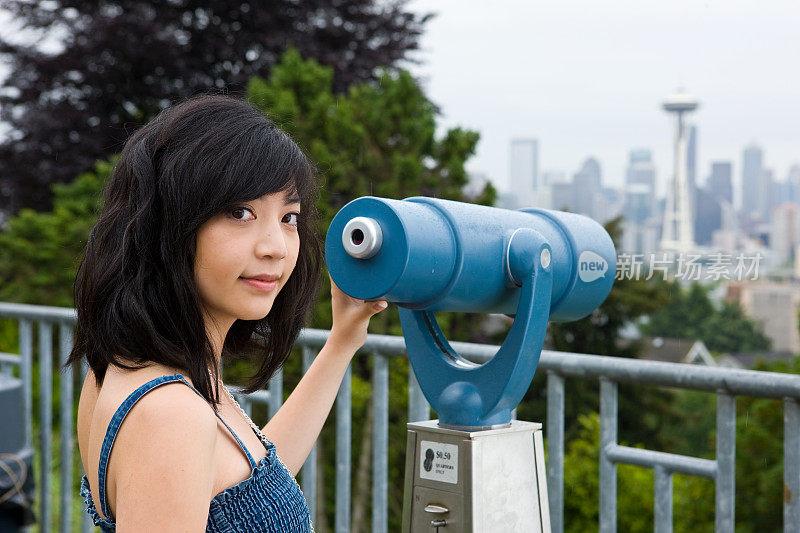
[
  {"x": 362, "y": 237},
  {"x": 545, "y": 258}
]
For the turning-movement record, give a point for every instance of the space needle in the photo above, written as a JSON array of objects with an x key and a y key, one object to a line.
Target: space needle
[{"x": 678, "y": 232}]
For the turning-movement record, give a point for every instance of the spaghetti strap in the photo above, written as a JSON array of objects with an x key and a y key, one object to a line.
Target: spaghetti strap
[
  {"x": 235, "y": 436},
  {"x": 119, "y": 416}
]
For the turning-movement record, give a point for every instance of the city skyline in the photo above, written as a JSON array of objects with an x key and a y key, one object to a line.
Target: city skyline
[{"x": 584, "y": 91}]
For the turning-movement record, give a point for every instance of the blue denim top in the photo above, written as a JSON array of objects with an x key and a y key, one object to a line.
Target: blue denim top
[{"x": 268, "y": 501}]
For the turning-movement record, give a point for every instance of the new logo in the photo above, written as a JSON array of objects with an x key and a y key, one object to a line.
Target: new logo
[{"x": 591, "y": 266}]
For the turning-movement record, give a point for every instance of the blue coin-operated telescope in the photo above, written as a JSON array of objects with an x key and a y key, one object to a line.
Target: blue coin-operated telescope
[{"x": 427, "y": 255}]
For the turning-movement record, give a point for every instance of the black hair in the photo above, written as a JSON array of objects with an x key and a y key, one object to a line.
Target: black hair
[{"x": 135, "y": 292}]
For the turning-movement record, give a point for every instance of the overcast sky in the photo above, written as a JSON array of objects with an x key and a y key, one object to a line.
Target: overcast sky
[{"x": 586, "y": 78}]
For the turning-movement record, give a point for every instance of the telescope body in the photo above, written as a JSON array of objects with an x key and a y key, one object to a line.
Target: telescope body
[
  {"x": 426, "y": 255},
  {"x": 440, "y": 255}
]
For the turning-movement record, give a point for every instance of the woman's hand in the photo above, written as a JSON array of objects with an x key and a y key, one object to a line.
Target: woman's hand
[{"x": 351, "y": 318}]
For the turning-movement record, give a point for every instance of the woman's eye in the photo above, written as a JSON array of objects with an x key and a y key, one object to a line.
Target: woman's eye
[
  {"x": 291, "y": 218},
  {"x": 240, "y": 213}
]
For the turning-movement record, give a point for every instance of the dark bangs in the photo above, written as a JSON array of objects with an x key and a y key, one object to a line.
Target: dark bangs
[{"x": 135, "y": 294}]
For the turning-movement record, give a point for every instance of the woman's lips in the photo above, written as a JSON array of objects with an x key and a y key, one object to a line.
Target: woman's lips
[{"x": 261, "y": 285}]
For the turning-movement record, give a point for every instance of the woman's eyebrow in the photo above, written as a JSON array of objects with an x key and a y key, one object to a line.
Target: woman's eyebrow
[{"x": 291, "y": 200}]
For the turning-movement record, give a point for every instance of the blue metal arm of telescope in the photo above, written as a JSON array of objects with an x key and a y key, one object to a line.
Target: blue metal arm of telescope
[{"x": 466, "y": 394}]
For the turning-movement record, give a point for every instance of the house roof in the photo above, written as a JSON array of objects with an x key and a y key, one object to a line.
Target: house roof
[
  {"x": 749, "y": 359},
  {"x": 672, "y": 350}
]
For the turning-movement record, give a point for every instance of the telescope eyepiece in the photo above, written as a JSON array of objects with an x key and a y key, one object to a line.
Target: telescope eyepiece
[{"x": 362, "y": 237}]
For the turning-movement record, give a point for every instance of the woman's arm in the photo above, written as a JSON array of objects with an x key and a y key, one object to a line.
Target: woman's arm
[{"x": 295, "y": 427}]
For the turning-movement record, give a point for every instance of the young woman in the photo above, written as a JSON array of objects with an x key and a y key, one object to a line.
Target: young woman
[{"x": 205, "y": 248}]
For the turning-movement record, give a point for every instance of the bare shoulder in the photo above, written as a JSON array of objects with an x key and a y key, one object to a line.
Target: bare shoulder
[
  {"x": 170, "y": 421},
  {"x": 162, "y": 465},
  {"x": 172, "y": 407}
]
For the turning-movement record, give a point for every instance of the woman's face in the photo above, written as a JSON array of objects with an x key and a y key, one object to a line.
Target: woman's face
[{"x": 256, "y": 239}]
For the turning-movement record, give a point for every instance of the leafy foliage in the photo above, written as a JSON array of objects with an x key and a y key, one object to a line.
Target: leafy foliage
[
  {"x": 122, "y": 62},
  {"x": 691, "y": 315},
  {"x": 40, "y": 252}
]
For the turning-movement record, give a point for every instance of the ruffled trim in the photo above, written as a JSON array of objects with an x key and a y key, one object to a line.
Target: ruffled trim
[
  {"x": 246, "y": 504},
  {"x": 263, "y": 468},
  {"x": 91, "y": 509}
]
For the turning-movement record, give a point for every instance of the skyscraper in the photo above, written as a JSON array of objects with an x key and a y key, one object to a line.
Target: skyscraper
[
  {"x": 769, "y": 197},
  {"x": 639, "y": 205},
  {"x": 719, "y": 182},
  {"x": 640, "y": 185},
  {"x": 587, "y": 183},
  {"x": 793, "y": 179},
  {"x": 785, "y": 232},
  {"x": 709, "y": 216},
  {"x": 752, "y": 174},
  {"x": 524, "y": 170},
  {"x": 562, "y": 196}
]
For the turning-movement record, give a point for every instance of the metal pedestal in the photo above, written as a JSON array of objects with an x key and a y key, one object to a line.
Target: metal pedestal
[{"x": 475, "y": 481}]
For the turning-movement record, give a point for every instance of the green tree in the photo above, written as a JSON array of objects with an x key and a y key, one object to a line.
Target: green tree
[
  {"x": 122, "y": 62},
  {"x": 699, "y": 310},
  {"x": 692, "y": 496},
  {"x": 670, "y": 319},
  {"x": 759, "y": 458},
  {"x": 730, "y": 330},
  {"x": 40, "y": 252},
  {"x": 691, "y": 315}
]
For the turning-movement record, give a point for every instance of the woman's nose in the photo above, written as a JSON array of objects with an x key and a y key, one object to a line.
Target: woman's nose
[{"x": 272, "y": 244}]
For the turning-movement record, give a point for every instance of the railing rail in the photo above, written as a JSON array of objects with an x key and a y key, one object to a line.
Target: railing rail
[{"x": 725, "y": 383}]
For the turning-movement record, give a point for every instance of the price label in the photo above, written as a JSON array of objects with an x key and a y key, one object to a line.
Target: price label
[{"x": 438, "y": 461}]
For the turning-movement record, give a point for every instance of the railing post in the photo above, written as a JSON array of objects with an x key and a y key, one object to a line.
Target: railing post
[
  {"x": 380, "y": 439},
  {"x": 608, "y": 469},
  {"x": 343, "y": 445},
  {"x": 663, "y": 500},
  {"x": 275, "y": 392},
  {"x": 65, "y": 410},
  {"x": 86, "y": 522},
  {"x": 26, "y": 374},
  {"x": 45, "y": 419},
  {"x": 418, "y": 407},
  {"x": 726, "y": 463},
  {"x": 555, "y": 450},
  {"x": 309, "y": 470},
  {"x": 791, "y": 466}
]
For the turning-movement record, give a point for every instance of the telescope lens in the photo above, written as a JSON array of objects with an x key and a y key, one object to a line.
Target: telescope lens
[{"x": 362, "y": 237}]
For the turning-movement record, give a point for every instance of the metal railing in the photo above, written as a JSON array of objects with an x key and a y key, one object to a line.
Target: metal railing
[{"x": 725, "y": 383}]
